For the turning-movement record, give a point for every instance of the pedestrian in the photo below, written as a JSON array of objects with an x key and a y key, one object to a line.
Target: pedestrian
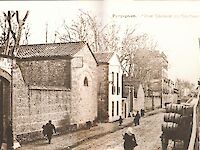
[
  {"x": 137, "y": 119},
  {"x": 49, "y": 130},
  {"x": 129, "y": 139},
  {"x": 142, "y": 112},
  {"x": 120, "y": 120}
]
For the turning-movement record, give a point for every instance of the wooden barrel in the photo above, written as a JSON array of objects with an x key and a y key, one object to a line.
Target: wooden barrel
[
  {"x": 169, "y": 127},
  {"x": 187, "y": 110},
  {"x": 174, "y": 108},
  {"x": 172, "y": 117}
]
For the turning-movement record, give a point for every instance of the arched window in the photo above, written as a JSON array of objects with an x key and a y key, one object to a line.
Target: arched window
[{"x": 86, "y": 81}]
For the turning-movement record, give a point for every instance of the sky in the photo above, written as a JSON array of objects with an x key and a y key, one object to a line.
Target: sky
[{"x": 174, "y": 25}]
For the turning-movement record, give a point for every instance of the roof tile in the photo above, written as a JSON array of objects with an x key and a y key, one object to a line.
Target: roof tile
[
  {"x": 103, "y": 57},
  {"x": 49, "y": 50}
]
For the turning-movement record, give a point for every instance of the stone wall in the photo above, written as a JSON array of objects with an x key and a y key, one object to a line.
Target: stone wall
[
  {"x": 54, "y": 90},
  {"x": 34, "y": 105},
  {"x": 84, "y": 97},
  {"x": 102, "y": 92},
  {"x": 48, "y": 72},
  {"x": 152, "y": 103},
  {"x": 157, "y": 102},
  {"x": 148, "y": 103}
]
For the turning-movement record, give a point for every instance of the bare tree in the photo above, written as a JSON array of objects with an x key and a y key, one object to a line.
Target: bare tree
[
  {"x": 133, "y": 48},
  {"x": 136, "y": 53},
  {"x": 181, "y": 85},
  {"x": 26, "y": 34},
  {"x": 12, "y": 31},
  {"x": 85, "y": 28},
  {"x": 6, "y": 38}
]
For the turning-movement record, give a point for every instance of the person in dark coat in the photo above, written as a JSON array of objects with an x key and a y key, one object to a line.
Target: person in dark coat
[
  {"x": 142, "y": 112},
  {"x": 129, "y": 140},
  {"x": 137, "y": 119},
  {"x": 120, "y": 120},
  {"x": 49, "y": 130}
]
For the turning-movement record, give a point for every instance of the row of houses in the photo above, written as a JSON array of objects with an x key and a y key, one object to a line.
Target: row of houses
[{"x": 63, "y": 82}]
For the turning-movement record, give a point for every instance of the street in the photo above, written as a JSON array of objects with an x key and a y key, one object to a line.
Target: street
[{"x": 147, "y": 135}]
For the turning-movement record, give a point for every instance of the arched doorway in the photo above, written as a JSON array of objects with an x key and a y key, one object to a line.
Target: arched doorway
[{"x": 4, "y": 107}]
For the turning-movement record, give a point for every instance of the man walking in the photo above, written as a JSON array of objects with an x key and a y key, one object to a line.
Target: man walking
[
  {"x": 120, "y": 120},
  {"x": 49, "y": 130},
  {"x": 137, "y": 119}
]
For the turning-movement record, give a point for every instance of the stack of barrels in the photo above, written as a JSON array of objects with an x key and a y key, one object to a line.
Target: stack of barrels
[{"x": 175, "y": 116}]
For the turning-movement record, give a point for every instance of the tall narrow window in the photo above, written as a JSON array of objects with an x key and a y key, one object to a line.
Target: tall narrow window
[
  {"x": 117, "y": 83},
  {"x": 86, "y": 81},
  {"x": 117, "y": 108},
  {"x": 113, "y": 87},
  {"x": 113, "y": 108},
  {"x": 113, "y": 77}
]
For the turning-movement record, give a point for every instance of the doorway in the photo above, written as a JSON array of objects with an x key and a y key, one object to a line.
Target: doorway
[{"x": 4, "y": 107}]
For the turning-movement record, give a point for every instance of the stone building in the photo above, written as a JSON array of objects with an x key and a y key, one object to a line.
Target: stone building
[
  {"x": 53, "y": 82},
  {"x": 109, "y": 86}
]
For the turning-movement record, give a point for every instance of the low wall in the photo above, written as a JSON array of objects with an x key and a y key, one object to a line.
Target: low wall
[{"x": 152, "y": 103}]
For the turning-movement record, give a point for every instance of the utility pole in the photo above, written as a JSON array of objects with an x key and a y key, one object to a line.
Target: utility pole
[{"x": 46, "y": 32}]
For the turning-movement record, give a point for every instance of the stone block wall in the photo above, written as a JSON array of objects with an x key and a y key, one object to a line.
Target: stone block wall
[
  {"x": 83, "y": 97},
  {"x": 46, "y": 72},
  {"x": 152, "y": 103},
  {"x": 34, "y": 106},
  {"x": 54, "y": 90}
]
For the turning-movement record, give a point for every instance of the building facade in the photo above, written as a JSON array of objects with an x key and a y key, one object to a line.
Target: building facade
[
  {"x": 109, "y": 86},
  {"x": 53, "y": 82},
  {"x": 158, "y": 88}
]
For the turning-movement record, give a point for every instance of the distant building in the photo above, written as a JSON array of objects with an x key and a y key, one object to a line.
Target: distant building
[
  {"x": 109, "y": 86},
  {"x": 158, "y": 88},
  {"x": 139, "y": 102},
  {"x": 53, "y": 82},
  {"x": 127, "y": 95}
]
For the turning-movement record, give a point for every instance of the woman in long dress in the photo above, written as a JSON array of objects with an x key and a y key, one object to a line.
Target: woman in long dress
[{"x": 129, "y": 139}]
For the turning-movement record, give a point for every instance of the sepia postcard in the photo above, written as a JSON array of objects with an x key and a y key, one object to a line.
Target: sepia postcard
[{"x": 100, "y": 75}]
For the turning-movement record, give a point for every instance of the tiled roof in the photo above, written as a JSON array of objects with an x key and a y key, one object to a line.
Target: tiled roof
[
  {"x": 103, "y": 57},
  {"x": 49, "y": 50}
]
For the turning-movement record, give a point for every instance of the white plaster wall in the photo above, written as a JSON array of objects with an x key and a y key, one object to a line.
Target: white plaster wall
[
  {"x": 114, "y": 66},
  {"x": 139, "y": 101}
]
